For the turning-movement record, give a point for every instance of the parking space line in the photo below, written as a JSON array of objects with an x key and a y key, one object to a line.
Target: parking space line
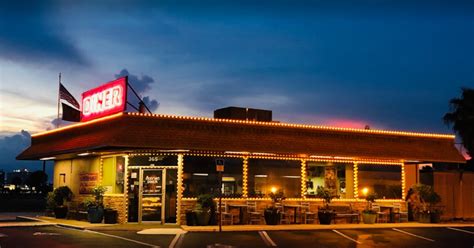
[
  {"x": 266, "y": 238},
  {"x": 347, "y": 237},
  {"x": 414, "y": 235},
  {"x": 126, "y": 239},
  {"x": 460, "y": 230},
  {"x": 177, "y": 241}
]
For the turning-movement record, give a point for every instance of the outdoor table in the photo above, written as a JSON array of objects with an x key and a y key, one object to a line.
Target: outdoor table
[
  {"x": 295, "y": 209},
  {"x": 241, "y": 208},
  {"x": 391, "y": 213}
]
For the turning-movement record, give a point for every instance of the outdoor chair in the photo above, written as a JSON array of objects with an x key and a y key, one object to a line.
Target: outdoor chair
[
  {"x": 397, "y": 211},
  {"x": 227, "y": 217},
  {"x": 285, "y": 217},
  {"x": 254, "y": 216},
  {"x": 306, "y": 214},
  {"x": 382, "y": 217}
]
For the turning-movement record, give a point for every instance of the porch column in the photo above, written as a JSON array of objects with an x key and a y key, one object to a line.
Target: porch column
[
  {"x": 245, "y": 177},
  {"x": 179, "y": 187},
  {"x": 356, "y": 181},
  {"x": 303, "y": 178}
]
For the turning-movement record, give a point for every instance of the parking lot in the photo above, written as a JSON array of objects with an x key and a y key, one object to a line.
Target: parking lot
[{"x": 54, "y": 236}]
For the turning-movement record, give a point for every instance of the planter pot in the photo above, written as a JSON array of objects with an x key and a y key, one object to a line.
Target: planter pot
[
  {"x": 190, "y": 218},
  {"x": 60, "y": 212},
  {"x": 369, "y": 218},
  {"x": 95, "y": 214},
  {"x": 325, "y": 217},
  {"x": 110, "y": 216},
  {"x": 272, "y": 216},
  {"x": 202, "y": 217},
  {"x": 435, "y": 217},
  {"x": 424, "y": 218}
]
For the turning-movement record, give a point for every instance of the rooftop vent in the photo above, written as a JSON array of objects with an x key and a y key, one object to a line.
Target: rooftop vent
[{"x": 238, "y": 113}]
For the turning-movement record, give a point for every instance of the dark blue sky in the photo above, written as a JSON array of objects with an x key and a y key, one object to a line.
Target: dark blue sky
[{"x": 389, "y": 64}]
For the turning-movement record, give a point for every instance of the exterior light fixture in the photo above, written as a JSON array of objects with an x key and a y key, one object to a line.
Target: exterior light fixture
[
  {"x": 201, "y": 174},
  {"x": 47, "y": 158}
]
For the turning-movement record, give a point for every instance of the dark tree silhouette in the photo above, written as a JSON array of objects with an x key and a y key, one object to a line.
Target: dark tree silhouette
[
  {"x": 461, "y": 118},
  {"x": 37, "y": 179}
]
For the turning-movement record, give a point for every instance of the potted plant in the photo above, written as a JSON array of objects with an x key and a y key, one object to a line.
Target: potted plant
[
  {"x": 272, "y": 213},
  {"x": 325, "y": 214},
  {"x": 203, "y": 208},
  {"x": 95, "y": 206},
  {"x": 60, "y": 196},
  {"x": 368, "y": 215},
  {"x": 428, "y": 199},
  {"x": 110, "y": 216}
]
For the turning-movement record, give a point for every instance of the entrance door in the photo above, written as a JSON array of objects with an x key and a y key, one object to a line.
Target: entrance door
[{"x": 151, "y": 202}]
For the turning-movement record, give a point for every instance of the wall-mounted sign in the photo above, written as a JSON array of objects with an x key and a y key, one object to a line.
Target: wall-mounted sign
[
  {"x": 104, "y": 100},
  {"x": 87, "y": 181},
  {"x": 152, "y": 181},
  {"x": 156, "y": 160}
]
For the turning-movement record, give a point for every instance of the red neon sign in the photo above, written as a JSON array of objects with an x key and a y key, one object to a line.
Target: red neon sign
[{"x": 104, "y": 100}]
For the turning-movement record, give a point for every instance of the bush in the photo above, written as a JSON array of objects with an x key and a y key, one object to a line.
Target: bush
[{"x": 62, "y": 194}]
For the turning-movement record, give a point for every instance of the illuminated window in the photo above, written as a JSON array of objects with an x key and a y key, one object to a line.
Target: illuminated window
[
  {"x": 329, "y": 175},
  {"x": 384, "y": 180},
  {"x": 265, "y": 174},
  {"x": 200, "y": 176}
]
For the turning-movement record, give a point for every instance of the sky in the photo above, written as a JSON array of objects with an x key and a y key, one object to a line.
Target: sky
[{"x": 386, "y": 64}]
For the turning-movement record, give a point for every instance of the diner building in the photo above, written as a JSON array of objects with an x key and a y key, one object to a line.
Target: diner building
[{"x": 154, "y": 166}]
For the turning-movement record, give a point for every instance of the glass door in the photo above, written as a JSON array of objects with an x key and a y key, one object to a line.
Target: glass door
[
  {"x": 170, "y": 195},
  {"x": 151, "y": 195}
]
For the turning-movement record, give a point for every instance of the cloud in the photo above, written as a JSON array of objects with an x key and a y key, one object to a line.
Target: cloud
[
  {"x": 29, "y": 33},
  {"x": 141, "y": 86}
]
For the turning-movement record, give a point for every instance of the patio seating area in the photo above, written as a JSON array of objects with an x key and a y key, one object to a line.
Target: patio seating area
[{"x": 306, "y": 212}]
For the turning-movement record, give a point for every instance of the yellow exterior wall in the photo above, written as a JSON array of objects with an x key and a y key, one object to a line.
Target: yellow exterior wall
[{"x": 72, "y": 168}]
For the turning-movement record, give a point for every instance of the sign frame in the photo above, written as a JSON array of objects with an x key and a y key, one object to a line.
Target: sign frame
[{"x": 107, "y": 99}]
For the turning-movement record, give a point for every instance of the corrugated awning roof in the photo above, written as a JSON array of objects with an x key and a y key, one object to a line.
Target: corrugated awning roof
[{"x": 140, "y": 131}]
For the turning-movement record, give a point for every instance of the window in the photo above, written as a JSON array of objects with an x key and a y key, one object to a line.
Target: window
[
  {"x": 334, "y": 176},
  {"x": 265, "y": 174},
  {"x": 384, "y": 180},
  {"x": 112, "y": 174},
  {"x": 200, "y": 176}
]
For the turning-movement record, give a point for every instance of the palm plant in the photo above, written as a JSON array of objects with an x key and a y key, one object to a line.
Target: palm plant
[{"x": 461, "y": 118}]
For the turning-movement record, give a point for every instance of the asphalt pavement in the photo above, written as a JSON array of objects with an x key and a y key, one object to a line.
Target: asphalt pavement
[{"x": 55, "y": 236}]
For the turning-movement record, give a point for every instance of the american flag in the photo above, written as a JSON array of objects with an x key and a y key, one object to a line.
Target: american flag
[{"x": 66, "y": 96}]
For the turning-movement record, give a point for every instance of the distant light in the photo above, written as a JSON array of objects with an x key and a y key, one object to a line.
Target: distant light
[
  {"x": 84, "y": 154},
  {"x": 273, "y": 190},
  {"x": 201, "y": 174},
  {"x": 47, "y": 158},
  {"x": 260, "y": 176},
  {"x": 365, "y": 191}
]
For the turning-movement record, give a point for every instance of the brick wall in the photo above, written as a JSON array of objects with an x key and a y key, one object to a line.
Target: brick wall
[{"x": 117, "y": 202}]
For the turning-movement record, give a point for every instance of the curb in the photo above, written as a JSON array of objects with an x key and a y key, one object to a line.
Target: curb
[
  {"x": 322, "y": 228},
  {"x": 50, "y": 223},
  {"x": 70, "y": 226}
]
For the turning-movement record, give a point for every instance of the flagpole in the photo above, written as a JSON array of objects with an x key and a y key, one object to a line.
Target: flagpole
[{"x": 59, "y": 95}]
